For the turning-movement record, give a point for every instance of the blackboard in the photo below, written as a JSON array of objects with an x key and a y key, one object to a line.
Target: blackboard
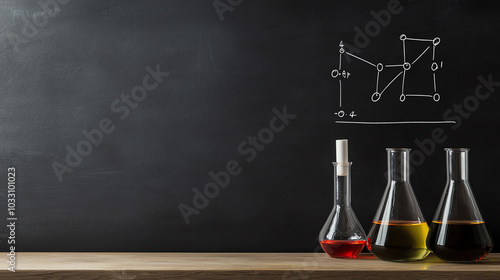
[{"x": 140, "y": 106}]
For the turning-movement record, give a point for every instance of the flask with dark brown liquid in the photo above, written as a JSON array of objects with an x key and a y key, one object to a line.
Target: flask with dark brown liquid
[{"x": 458, "y": 232}]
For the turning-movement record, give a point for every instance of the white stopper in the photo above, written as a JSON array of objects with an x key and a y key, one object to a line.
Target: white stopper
[{"x": 342, "y": 157}]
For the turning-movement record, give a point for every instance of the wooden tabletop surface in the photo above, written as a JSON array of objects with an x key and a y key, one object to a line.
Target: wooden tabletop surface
[{"x": 116, "y": 266}]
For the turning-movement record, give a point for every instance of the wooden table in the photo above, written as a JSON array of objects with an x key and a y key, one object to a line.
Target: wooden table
[{"x": 116, "y": 266}]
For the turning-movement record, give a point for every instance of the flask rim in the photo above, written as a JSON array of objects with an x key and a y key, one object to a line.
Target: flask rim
[
  {"x": 457, "y": 149},
  {"x": 397, "y": 149}
]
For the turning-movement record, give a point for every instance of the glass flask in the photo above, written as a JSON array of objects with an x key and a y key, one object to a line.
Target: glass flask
[
  {"x": 342, "y": 236},
  {"x": 458, "y": 232},
  {"x": 399, "y": 230}
]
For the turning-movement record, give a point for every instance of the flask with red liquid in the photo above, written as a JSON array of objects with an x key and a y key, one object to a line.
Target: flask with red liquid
[{"x": 342, "y": 236}]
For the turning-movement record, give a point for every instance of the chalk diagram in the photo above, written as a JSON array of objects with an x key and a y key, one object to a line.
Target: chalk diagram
[{"x": 341, "y": 74}]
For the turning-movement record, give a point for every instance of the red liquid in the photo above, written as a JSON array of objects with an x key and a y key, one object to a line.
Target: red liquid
[{"x": 342, "y": 248}]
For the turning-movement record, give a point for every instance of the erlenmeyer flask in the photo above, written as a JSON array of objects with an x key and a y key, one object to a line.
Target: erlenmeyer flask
[
  {"x": 458, "y": 232},
  {"x": 342, "y": 236},
  {"x": 399, "y": 230}
]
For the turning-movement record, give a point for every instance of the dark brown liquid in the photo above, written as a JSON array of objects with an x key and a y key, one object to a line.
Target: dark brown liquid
[{"x": 459, "y": 241}]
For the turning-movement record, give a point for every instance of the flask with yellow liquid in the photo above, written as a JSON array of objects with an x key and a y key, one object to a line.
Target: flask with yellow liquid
[{"x": 399, "y": 230}]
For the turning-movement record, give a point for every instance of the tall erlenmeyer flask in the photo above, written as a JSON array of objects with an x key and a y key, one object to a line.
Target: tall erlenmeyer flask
[
  {"x": 399, "y": 230},
  {"x": 342, "y": 236},
  {"x": 458, "y": 232}
]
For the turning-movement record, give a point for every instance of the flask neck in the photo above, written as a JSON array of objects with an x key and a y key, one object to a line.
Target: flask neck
[
  {"x": 342, "y": 184},
  {"x": 457, "y": 164},
  {"x": 398, "y": 164}
]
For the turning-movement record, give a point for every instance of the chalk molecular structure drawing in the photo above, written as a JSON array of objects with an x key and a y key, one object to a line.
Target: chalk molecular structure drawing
[{"x": 341, "y": 74}]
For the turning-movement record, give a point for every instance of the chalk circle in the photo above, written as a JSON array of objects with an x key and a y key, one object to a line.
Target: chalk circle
[
  {"x": 402, "y": 37},
  {"x": 341, "y": 114},
  {"x": 436, "y": 41},
  {"x": 436, "y": 97},
  {"x": 380, "y": 67},
  {"x": 376, "y": 96},
  {"x": 434, "y": 66},
  {"x": 335, "y": 73},
  {"x": 406, "y": 66},
  {"x": 341, "y": 50},
  {"x": 402, "y": 98}
]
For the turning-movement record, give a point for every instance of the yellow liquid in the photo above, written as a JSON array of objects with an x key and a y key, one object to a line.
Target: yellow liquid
[{"x": 398, "y": 240}]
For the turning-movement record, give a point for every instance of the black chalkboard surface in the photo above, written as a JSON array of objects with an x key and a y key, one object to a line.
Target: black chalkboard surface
[{"x": 210, "y": 125}]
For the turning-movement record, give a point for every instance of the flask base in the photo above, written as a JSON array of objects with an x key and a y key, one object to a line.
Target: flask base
[
  {"x": 398, "y": 241},
  {"x": 398, "y": 254},
  {"x": 462, "y": 255},
  {"x": 342, "y": 248},
  {"x": 464, "y": 241}
]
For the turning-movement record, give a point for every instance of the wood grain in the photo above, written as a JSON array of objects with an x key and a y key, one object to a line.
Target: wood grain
[{"x": 116, "y": 266}]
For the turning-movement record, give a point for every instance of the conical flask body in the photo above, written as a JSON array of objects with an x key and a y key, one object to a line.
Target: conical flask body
[
  {"x": 458, "y": 231},
  {"x": 342, "y": 236},
  {"x": 399, "y": 230}
]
